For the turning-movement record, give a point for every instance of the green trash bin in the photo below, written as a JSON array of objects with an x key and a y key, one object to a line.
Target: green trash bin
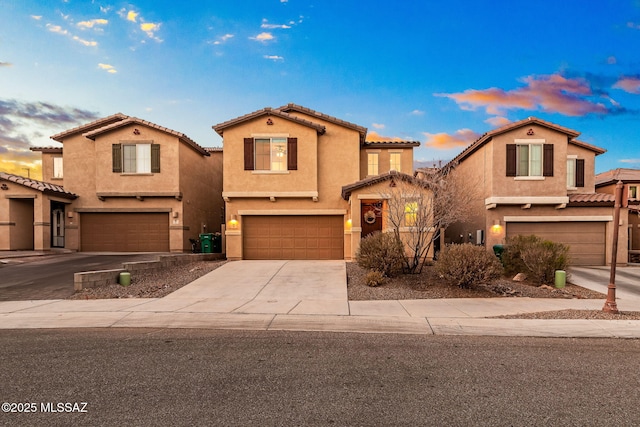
[
  {"x": 206, "y": 243},
  {"x": 498, "y": 250}
]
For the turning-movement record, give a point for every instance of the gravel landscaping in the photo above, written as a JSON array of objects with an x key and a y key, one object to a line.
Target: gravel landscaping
[{"x": 161, "y": 282}]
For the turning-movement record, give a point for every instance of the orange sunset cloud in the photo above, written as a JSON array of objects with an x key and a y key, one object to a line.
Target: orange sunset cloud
[{"x": 445, "y": 141}]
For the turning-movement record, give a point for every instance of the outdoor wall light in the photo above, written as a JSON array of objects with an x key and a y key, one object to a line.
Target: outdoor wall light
[
  {"x": 497, "y": 227},
  {"x": 349, "y": 224},
  {"x": 233, "y": 223}
]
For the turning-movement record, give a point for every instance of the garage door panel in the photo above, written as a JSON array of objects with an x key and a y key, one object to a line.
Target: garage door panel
[
  {"x": 586, "y": 240},
  {"x": 124, "y": 232},
  {"x": 294, "y": 237}
]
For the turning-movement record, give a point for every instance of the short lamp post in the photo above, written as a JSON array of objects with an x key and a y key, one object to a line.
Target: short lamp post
[{"x": 610, "y": 305}]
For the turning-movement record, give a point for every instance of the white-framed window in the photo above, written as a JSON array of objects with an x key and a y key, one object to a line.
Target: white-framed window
[
  {"x": 136, "y": 158},
  {"x": 633, "y": 192},
  {"x": 372, "y": 163},
  {"x": 57, "y": 167},
  {"x": 271, "y": 154},
  {"x": 395, "y": 160},
  {"x": 571, "y": 172},
  {"x": 529, "y": 159}
]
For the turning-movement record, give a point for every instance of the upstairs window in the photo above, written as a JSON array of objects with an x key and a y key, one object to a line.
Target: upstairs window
[
  {"x": 395, "y": 159},
  {"x": 136, "y": 158},
  {"x": 57, "y": 167},
  {"x": 372, "y": 164},
  {"x": 271, "y": 154},
  {"x": 529, "y": 159},
  {"x": 575, "y": 172},
  {"x": 633, "y": 192}
]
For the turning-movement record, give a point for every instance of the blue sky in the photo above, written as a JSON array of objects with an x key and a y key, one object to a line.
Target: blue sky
[{"x": 440, "y": 72}]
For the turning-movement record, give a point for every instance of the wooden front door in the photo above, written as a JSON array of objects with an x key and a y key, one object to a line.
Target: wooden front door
[{"x": 371, "y": 216}]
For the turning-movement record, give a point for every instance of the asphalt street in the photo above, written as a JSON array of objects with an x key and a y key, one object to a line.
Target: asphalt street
[
  {"x": 231, "y": 378},
  {"x": 51, "y": 276}
]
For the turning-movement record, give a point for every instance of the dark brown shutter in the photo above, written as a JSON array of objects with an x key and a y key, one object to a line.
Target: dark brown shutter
[
  {"x": 579, "y": 172},
  {"x": 248, "y": 154},
  {"x": 292, "y": 154},
  {"x": 547, "y": 160},
  {"x": 511, "y": 160},
  {"x": 116, "y": 155},
  {"x": 155, "y": 158}
]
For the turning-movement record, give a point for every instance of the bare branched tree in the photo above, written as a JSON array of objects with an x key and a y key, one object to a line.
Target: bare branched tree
[{"x": 417, "y": 209}]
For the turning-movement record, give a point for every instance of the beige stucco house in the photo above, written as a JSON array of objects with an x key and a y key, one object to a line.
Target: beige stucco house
[
  {"x": 284, "y": 174},
  {"x": 535, "y": 177},
  {"x": 31, "y": 213},
  {"x": 139, "y": 187},
  {"x": 630, "y": 178}
]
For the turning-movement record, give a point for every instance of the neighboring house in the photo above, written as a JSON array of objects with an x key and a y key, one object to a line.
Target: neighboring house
[
  {"x": 285, "y": 174},
  {"x": 630, "y": 178},
  {"x": 31, "y": 213},
  {"x": 535, "y": 177},
  {"x": 140, "y": 187}
]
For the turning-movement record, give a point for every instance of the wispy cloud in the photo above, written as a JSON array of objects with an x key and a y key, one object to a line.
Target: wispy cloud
[
  {"x": 23, "y": 123},
  {"x": 273, "y": 57},
  {"x": 266, "y": 25},
  {"x": 633, "y": 161},
  {"x": 550, "y": 93},
  {"x": 92, "y": 23},
  {"x": 263, "y": 37},
  {"x": 378, "y": 125},
  {"x": 633, "y": 25},
  {"x": 108, "y": 68},
  {"x": 222, "y": 39},
  {"x": 5, "y": 64},
  {"x": 417, "y": 113},
  {"x": 149, "y": 28},
  {"x": 445, "y": 141},
  {"x": 64, "y": 32},
  {"x": 629, "y": 84},
  {"x": 36, "y": 17},
  {"x": 374, "y": 136},
  {"x": 131, "y": 16},
  {"x": 497, "y": 121}
]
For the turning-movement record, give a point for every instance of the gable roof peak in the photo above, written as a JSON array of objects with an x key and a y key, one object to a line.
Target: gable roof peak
[{"x": 89, "y": 126}]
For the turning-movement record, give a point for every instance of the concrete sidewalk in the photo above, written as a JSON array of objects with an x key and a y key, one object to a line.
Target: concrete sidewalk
[{"x": 312, "y": 296}]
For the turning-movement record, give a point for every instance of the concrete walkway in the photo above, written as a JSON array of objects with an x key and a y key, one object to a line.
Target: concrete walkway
[{"x": 312, "y": 296}]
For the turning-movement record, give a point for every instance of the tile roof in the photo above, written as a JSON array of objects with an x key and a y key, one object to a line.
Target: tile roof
[
  {"x": 47, "y": 149},
  {"x": 299, "y": 108},
  {"x": 625, "y": 175},
  {"x": 267, "y": 111},
  {"x": 45, "y": 187},
  {"x": 134, "y": 120},
  {"x": 372, "y": 180},
  {"x": 89, "y": 126},
  {"x": 214, "y": 149},
  {"x": 392, "y": 144},
  {"x": 601, "y": 199},
  {"x": 521, "y": 123}
]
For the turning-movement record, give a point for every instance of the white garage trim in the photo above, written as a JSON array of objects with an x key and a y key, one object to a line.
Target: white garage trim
[
  {"x": 550, "y": 218},
  {"x": 294, "y": 212}
]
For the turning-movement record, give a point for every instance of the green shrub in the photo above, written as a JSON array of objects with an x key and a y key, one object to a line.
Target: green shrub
[
  {"x": 381, "y": 252},
  {"x": 537, "y": 258},
  {"x": 466, "y": 264},
  {"x": 375, "y": 278}
]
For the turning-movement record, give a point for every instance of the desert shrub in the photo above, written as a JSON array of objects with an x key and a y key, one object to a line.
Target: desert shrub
[
  {"x": 466, "y": 264},
  {"x": 375, "y": 278},
  {"x": 536, "y": 257},
  {"x": 381, "y": 252}
]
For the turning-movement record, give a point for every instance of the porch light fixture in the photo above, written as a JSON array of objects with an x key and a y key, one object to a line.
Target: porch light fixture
[
  {"x": 233, "y": 223},
  {"x": 497, "y": 227}
]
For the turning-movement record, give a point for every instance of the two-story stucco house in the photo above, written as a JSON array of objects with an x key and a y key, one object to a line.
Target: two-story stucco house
[
  {"x": 535, "y": 177},
  {"x": 630, "y": 178},
  {"x": 139, "y": 187},
  {"x": 298, "y": 182}
]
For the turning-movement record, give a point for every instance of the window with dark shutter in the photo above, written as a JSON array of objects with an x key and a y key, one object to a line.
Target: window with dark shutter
[
  {"x": 547, "y": 160},
  {"x": 292, "y": 154},
  {"x": 248, "y": 154},
  {"x": 511, "y": 160},
  {"x": 116, "y": 155},
  {"x": 579, "y": 172},
  {"x": 155, "y": 158}
]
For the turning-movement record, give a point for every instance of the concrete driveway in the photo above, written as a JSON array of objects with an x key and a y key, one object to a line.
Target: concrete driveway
[
  {"x": 597, "y": 279},
  {"x": 278, "y": 287},
  {"x": 50, "y": 276}
]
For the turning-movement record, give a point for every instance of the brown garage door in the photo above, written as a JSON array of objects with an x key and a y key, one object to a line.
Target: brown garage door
[
  {"x": 124, "y": 232},
  {"x": 293, "y": 237},
  {"x": 586, "y": 240}
]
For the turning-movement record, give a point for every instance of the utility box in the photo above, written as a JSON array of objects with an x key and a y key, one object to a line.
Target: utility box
[{"x": 216, "y": 243}]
